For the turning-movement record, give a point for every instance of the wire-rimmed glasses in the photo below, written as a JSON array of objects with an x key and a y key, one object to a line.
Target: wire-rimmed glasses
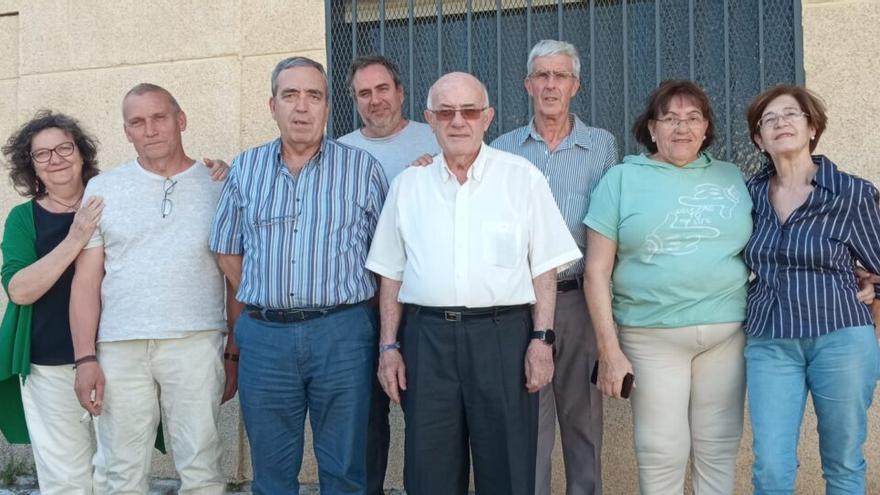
[{"x": 167, "y": 204}]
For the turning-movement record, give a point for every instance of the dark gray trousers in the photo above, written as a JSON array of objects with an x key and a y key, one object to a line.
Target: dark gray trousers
[
  {"x": 572, "y": 400},
  {"x": 466, "y": 396}
]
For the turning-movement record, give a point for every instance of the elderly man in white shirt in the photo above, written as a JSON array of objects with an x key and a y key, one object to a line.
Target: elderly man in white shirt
[{"x": 469, "y": 244}]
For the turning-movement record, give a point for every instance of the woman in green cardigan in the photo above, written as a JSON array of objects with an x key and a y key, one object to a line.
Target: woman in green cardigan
[{"x": 50, "y": 159}]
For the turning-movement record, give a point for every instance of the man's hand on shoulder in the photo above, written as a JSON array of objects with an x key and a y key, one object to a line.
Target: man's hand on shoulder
[
  {"x": 219, "y": 169},
  {"x": 422, "y": 161}
]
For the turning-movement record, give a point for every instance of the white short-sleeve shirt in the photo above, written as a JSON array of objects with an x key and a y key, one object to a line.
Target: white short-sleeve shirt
[{"x": 477, "y": 244}]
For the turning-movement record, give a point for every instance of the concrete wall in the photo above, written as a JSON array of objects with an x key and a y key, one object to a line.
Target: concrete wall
[{"x": 80, "y": 56}]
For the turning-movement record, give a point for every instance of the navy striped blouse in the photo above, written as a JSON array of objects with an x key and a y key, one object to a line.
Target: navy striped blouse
[
  {"x": 304, "y": 238},
  {"x": 804, "y": 285}
]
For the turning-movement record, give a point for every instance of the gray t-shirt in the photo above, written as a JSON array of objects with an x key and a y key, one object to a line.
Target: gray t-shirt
[
  {"x": 396, "y": 151},
  {"x": 160, "y": 279}
]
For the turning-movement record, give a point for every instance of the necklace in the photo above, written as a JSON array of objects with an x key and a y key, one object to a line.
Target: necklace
[{"x": 72, "y": 207}]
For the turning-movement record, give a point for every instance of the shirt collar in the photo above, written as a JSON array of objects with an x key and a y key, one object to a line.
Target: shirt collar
[
  {"x": 580, "y": 133},
  {"x": 824, "y": 176},
  {"x": 316, "y": 159},
  {"x": 476, "y": 170}
]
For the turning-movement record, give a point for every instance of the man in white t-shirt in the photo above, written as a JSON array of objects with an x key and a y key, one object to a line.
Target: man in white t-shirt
[
  {"x": 147, "y": 307},
  {"x": 396, "y": 142}
]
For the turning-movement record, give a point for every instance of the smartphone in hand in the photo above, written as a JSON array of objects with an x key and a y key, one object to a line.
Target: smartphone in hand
[{"x": 625, "y": 388}]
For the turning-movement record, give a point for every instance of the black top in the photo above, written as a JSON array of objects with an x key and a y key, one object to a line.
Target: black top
[{"x": 50, "y": 326}]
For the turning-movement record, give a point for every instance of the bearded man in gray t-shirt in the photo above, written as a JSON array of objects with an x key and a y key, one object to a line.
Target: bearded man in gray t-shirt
[
  {"x": 396, "y": 142},
  {"x": 147, "y": 307}
]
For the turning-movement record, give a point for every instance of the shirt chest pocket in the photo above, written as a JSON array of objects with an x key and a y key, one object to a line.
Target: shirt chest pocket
[{"x": 501, "y": 244}]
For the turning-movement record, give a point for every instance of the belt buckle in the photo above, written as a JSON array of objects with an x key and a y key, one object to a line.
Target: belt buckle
[{"x": 452, "y": 315}]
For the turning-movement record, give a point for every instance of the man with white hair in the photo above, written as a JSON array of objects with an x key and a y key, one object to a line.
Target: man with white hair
[
  {"x": 468, "y": 244},
  {"x": 573, "y": 157}
]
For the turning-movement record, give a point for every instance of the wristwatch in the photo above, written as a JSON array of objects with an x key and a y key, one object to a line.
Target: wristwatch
[{"x": 546, "y": 335}]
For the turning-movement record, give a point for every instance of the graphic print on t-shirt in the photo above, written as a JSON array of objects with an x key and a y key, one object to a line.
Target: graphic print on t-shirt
[{"x": 684, "y": 227}]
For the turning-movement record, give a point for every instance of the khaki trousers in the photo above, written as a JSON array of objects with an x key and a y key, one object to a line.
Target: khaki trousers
[
  {"x": 185, "y": 377},
  {"x": 688, "y": 401}
]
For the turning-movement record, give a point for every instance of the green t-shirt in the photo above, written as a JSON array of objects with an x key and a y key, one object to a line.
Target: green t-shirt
[{"x": 680, "y": 233}]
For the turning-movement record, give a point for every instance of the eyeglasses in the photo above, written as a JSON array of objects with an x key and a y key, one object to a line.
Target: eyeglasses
[
  {"x": 466, "y": 113},
  {"x": 167, "y": 204},
  {"x": 673, "y": 123},
  {"x": 771, "y": 119},
  {"x": 43, "y": 155},
  {"x": 546, "y": 75}
]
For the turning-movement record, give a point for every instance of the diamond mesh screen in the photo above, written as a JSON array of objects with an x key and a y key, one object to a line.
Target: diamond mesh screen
[{"x": 732, "y": 48}]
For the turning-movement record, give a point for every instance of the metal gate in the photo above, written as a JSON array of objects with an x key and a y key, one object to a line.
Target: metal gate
[{"x": 732, "y": 48}]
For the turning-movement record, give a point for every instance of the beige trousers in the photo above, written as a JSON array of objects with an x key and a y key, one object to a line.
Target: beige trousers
[
  {"x": 61, "y": 436},
  {"x": 185, "y": 377},
  {"x": 688, "y": 402}
]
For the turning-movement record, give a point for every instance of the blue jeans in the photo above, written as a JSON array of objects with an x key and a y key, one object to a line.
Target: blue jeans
[
  {"x": 839, "y": 370},
  {"x": 323, "y": 366}
]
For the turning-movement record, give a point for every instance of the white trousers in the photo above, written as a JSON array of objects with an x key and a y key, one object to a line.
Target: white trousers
[
  {"x": 185, "y": 377},
  {"x": 61, "y": 437},
  {"x": 688, "y": 401}
]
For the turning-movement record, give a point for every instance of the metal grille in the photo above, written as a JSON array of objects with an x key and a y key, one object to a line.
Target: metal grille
[{"x": 732, "y": 48}]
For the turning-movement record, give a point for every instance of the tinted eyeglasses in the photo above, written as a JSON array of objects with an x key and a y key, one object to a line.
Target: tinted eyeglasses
[{"x": 446, "y": 114}]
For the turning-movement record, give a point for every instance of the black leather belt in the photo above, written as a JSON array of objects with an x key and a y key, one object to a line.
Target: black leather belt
[
  {"x": 567, "y": 285},
  {"x": 461, "y": 313},
  {"x": 291, "y": 315}
]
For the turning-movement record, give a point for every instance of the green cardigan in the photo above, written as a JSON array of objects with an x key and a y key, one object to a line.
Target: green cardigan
[{"x": 19, "y": 250}]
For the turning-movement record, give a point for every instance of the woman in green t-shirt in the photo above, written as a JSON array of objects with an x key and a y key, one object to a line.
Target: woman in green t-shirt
[{"x": 666, "y": 234}]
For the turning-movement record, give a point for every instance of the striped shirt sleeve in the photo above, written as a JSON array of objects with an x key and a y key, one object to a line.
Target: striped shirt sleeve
[{"x": 865, "y": 232}]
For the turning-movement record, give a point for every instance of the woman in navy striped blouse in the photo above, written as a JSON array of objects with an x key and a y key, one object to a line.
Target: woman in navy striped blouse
[{"x": 807, "y": 329}]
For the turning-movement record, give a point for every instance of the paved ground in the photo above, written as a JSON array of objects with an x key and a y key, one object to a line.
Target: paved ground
[{"x": 26, "y": 485}]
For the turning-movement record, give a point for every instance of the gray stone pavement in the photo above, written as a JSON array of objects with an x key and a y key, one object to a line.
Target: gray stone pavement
[{"x": 26, "y": 485}]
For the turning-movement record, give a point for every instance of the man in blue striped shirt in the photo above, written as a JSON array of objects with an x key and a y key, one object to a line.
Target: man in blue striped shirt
[
  {"x": 292, "y": 231},
  {"x": 573, "y": 157}
]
